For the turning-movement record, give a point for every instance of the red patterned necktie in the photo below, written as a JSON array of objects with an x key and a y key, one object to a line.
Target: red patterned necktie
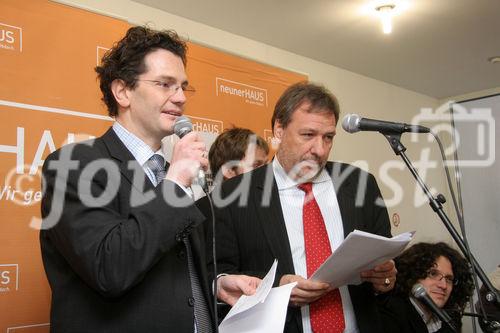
[{"x": 326, "y": 313}]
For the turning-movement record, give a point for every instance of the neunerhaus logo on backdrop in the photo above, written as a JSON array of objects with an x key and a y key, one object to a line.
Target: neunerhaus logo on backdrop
[
  {"x": 11, "y": 37},
  {"x": 9, "y": 277},
  {"x": 250, "y": 94}
]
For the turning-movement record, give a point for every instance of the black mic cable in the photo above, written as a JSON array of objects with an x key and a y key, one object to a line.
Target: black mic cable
[
  {"x": 183, "y": 126},
  {"x": 214, "y": 257}
]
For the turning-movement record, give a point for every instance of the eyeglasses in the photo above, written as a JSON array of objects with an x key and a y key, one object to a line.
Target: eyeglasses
[
  {"x": 436, "y": 275},
  {"x": 171, "y": 88}
]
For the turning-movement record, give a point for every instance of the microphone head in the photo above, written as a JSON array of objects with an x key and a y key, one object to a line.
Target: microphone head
[
  {"x": 182, "y": 126},
  {"x": 350, "y": 123},
  {"x": 418, "y": 291}
]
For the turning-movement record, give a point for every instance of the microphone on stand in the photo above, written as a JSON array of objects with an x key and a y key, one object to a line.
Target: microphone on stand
[
  {"x": 183, "y": 126},
  {"x": 353, "y": 123},
  {"x": 418, "y": 291}
]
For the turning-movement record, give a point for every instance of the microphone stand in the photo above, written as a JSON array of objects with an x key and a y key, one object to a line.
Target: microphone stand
[
  {"x": 493, "y": 295},
  {"x": 491, "y": 325}
]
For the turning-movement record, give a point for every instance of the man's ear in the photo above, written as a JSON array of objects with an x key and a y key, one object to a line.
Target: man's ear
[
  {"x": 278, "y": 130},
  {"x": 228, "y": 172},
  {"x": 121, "y": 93}
]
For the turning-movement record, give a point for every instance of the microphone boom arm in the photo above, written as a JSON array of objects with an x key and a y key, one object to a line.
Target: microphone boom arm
[{"x": 436, "y": 205}]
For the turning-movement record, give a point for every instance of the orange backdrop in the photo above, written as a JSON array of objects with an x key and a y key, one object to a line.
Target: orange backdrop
[{"x": 49, "y": 96}]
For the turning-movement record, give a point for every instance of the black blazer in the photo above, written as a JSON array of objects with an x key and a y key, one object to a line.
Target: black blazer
[
  {"x": 250, "y": 236},
  {"x": 119, "y": 267},
  {"x": 399, "y": 315}
]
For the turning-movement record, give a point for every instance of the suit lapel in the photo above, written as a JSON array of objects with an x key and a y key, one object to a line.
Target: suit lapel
[
  {"x": 345, "y": 195},
  {"x": 271, "y": 218},
  {"x": 124, "y": 157}
]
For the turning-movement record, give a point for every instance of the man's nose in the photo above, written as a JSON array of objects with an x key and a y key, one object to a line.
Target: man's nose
[
  {"x": 442, "y": 283},
  {"x": 179, "y": 97},
  {"x": 318, "y": 146}
]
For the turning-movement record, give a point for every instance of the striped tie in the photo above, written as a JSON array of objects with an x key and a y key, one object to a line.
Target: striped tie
[{"x": 157, "y": 164}]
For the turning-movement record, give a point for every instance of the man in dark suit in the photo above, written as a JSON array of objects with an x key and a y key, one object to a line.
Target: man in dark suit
[
  {"x": 271, "y": 213},
  {"x": 122, "y": 241}
]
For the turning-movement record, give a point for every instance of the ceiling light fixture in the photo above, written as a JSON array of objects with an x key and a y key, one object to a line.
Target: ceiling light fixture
[
  {"x": 385, "y": 12},
  {"x": 494, "y": 60}
]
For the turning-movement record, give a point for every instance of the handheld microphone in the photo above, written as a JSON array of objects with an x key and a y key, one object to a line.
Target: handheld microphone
[
  {"x": 183, "y": 126},
  {"x": 418, "y": 291},
  {"x": 353, "y": 123}
]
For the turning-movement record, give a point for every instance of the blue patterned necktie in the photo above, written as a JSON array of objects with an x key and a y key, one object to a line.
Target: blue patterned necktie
[{"x": 157, "y": 164}]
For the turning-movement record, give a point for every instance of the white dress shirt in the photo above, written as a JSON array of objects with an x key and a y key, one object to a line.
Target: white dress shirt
[{"x": 292, "y": 200}]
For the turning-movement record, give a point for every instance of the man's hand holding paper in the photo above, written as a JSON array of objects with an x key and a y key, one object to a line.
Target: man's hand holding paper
[
  {"x": 363, "y": 257},
  {"x": 306, "y": 291},
  {"x": 264, "y": 311},
  {"x": 231, "y": 287},
  {"x": 382, "y": 277}
]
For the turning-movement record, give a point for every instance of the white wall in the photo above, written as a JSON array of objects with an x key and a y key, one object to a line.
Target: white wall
[
  {"x": 471, "y": 95},
  {"x": 465, "y": 97},
  {"x": 480, "y": 186},
  {"x": 356, "y": 93}
]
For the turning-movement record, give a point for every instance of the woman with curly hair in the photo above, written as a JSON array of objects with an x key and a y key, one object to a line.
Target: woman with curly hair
[{"x": 444, "y": 274}]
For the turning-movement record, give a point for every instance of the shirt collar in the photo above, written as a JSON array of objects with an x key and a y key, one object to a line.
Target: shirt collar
[
  {"x": 139, "y": 149},
  {"x": 284, "y": 182}
]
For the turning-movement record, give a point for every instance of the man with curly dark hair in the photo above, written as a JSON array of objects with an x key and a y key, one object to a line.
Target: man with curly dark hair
[
  {"x": 446, "y": 277},
  {"x": 122, "y": 241}
]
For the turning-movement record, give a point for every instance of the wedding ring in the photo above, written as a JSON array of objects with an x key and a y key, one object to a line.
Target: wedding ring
[{"x": 387, "y": 282}]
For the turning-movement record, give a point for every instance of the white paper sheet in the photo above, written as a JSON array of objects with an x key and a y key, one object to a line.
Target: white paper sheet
[
  {"x": 360, "y": 251},
  {"x": 263, "y": 312}
]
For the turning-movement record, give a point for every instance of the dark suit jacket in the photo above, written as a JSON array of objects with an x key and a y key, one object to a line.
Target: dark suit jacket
[
  {"x": 118, "y": 267},
  {"x": 399, "y": 315},
  {"x": 250, "y": 236}
]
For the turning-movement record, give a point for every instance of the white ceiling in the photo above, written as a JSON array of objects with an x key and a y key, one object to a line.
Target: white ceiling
[{"x": 438, "y": 47}]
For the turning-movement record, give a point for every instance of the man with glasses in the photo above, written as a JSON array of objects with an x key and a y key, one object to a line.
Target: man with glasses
[
  {"x": 121, "y": 238},
  {"x": 446, "y": 278}
]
